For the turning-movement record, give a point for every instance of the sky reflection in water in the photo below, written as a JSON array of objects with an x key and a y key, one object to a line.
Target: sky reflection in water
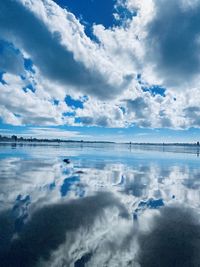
[{"x": 111, "y": 206}]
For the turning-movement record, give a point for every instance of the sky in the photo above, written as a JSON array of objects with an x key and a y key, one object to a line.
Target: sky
[{"x": 115, "y": 70}]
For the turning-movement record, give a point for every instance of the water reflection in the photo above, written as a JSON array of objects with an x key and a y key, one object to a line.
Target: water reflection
[
  {"x": 172, "y": 240},
  {"x": 48, "y": 227},
  {"x": 108, "y": 207}
]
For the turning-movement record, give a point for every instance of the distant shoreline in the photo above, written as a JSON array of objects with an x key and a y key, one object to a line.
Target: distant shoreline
[
  {"x": 18, "y": 140},
  {"x": 96, "y": 142}
]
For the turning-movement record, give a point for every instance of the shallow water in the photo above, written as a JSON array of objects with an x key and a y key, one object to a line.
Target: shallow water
[{"x": 113, "y": 205}]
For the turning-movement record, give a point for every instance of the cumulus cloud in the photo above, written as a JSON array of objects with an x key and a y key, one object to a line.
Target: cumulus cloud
[
  {"x": 173, "y": 42},
  {"x": 62, "y": 56},
  {"x": 156, "y": 41},
  {"x": 20, "y": 107}
]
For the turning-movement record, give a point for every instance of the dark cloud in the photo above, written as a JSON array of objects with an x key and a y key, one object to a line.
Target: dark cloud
[
  {"x": 11, "y": 60},
  {"x": 102, "y": 121},
  {"x": 21, "y": 26},
  {"x": 174, "y": 240},
  {"x": 173, "y": 41},
  {"x": 86, "y": 120},
  {"x": 193, "y": 114},
  {"x": 48, "y": 228},
  {"x": 141, "y": 110},
  {"x": 165, "y": 121},
  {"x": 138, "y": 106}
]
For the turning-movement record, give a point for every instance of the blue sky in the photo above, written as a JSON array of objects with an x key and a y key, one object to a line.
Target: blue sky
[
  {"x": 91, "y": 11},
  {"x": 86, "y": 70},
  {"x": 131, "y": 134}
]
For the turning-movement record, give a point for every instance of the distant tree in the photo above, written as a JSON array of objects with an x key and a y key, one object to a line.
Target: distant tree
[
  {"x": 14, "y": 138},
  {"x": 198, "y": 143}
]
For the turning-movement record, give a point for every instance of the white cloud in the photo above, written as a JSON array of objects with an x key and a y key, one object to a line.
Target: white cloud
[
  {"x": 20, "y": 107},
  {"x": 67, "y": 62},
  {"x": 66, "y": 56}
]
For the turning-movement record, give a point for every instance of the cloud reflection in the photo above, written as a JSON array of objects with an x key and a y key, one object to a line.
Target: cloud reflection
[
  {"x": 48, "y": 228},
  {"x": 173, "y": 239},
  {"x": 53, "y": 215}
]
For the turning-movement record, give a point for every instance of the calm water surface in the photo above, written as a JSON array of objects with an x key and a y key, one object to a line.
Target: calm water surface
[{"x": 112, "y": 205}]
